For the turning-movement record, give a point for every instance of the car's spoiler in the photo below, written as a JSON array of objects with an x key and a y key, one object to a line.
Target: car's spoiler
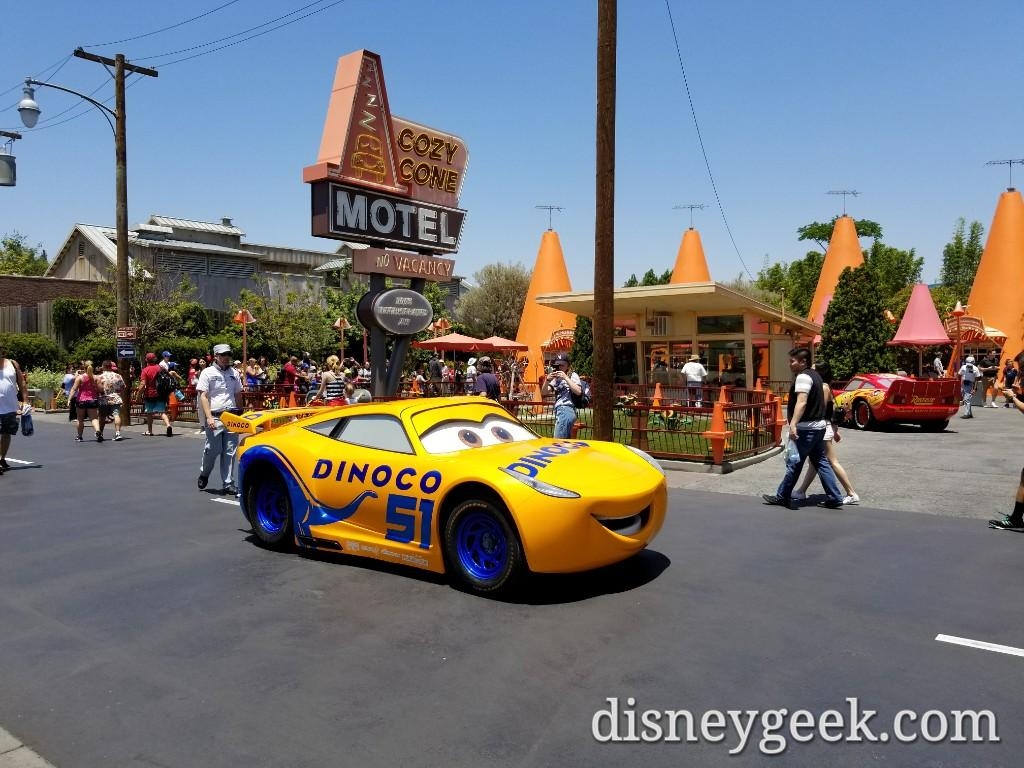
[{"x": 252, "y": 422}]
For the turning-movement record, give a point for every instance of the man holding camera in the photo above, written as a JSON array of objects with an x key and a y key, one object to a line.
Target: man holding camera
[
  {"x": 564, "y": 384},
  {"x": 1015, "y": 520}
]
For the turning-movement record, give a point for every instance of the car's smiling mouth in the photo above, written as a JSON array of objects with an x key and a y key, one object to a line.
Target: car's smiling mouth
[{"x": 628, "y": 525}]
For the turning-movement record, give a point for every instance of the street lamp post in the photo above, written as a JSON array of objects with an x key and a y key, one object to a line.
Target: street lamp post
[{"x": 29, "y": 111}]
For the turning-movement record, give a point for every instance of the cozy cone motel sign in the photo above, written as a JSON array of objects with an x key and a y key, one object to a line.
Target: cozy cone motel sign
[
  {"x": 379, "y": 178},
  {"x": 394, "y": 184}
]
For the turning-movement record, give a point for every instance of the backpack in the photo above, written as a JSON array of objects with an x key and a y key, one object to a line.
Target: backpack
[
  {"x": 164, "y": 384},
  {"x": 582, "y": 400},
  {"x": 970, "y": 373}
]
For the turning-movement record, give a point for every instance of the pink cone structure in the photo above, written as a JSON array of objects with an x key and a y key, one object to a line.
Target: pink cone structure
[
  {"x": 691, "y": 266},
  {"x": 539, "y": 322},
  {"x": 920, "y": 326},
  {"x": 996, "y": 296},
  {"x": 843, "y": 251}
]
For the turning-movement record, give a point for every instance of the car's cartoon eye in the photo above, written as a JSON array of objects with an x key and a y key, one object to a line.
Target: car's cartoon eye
[
  {"x": 502, "y": 434},
  {"x": 470, "y": 438}
]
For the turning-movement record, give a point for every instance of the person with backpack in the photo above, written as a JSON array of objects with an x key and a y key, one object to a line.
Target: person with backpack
[
  {"x": 969, "y": 375},
  {"x": 157, "y": 386},
  {"x": 565, "y": 385}
]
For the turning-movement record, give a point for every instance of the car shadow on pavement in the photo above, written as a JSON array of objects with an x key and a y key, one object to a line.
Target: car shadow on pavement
[{"x": 535, "y": 588}]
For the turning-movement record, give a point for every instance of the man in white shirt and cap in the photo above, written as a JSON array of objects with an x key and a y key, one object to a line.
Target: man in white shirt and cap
[
  {"x": 694, "y": 374},
  {"x": 218, "y": 388}
]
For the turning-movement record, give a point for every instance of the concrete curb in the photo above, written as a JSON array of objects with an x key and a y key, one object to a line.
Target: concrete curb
[
  {"x": 14, "y": 754},
  {"x": 723, "y": 469}
]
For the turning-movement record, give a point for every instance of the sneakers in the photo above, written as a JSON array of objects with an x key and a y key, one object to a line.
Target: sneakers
[
  {"x": 78, "y": 438},
  {"x": 202, "y": 481},
  {"x": 853, "y": 498},
  {"x": 170, "y": 431},
  {"x": 778, "y": 501},
  {"x": 4, "y": 465},
  {"x": 117, "y": 436},
  {"x": 229, "y": 490},
  {"x": 99, "y": 437},
  {"x": 967, "y": 416},
  {"x": 799, "y": 496},
  {"x": 1006, "y": 524},
  {"x": 829, "y": 504}
]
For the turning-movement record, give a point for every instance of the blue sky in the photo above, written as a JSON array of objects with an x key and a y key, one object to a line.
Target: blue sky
[{"x": 902, "y": 101}]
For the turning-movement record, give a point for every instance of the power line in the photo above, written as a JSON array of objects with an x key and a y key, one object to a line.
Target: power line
[
  {"x": 162, "y": 29},
  {"x": 239, "y": 34},
  {"x": 700, "y": 139},
  {"x": 40, "y": 76}
]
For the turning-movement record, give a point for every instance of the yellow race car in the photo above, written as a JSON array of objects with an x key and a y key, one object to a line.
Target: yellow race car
[{"x": 452, "y": 485}]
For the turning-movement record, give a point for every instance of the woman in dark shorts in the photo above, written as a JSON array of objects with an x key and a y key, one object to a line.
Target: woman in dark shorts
[{"x": 87, "y": 389}]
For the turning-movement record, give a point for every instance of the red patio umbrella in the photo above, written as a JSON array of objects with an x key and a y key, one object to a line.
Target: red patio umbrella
[
  {"x": 453, "y": 342},
  {"x": 498, "y": 344}
]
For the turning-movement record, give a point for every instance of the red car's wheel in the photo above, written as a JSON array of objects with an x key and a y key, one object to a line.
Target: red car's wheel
[{"x": 862, "y": 416}]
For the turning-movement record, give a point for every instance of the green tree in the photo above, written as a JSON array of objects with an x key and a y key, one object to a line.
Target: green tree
[
  {"x": 821, "y": 233},
  {"x": 650, "y": 278},
  {"x": 17, "y": 258},
  {"x": 855, "y": 333},
  {"x": 794, "y": 282},
  {"x": 581, "y": 357},
  {"x": 895, "y": 269},
  {"x": 292, "y": 323},
  {"x": 960, "y": 258},
  {"x": 495, "y": 306}
]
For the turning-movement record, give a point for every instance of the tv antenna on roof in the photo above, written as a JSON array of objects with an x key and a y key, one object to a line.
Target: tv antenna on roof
[
  {"x": 844, "y": 193},
  {"x": 1009, "y": 163},
  {"x": 691, "y": 206},
  {"x": 549, "y": 209}
]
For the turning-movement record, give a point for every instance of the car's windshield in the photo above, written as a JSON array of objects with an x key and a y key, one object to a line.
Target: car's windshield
[{"x": 460, "y": 428}]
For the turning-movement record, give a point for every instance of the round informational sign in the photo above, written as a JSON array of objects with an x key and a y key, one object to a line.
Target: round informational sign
[{"x": 401, "y": 311}]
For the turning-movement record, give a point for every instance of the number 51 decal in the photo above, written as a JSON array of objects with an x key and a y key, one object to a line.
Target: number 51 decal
[{"x": 401, "y": 519}]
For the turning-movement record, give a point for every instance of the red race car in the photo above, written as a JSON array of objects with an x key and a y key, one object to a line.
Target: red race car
[{"x": 873, "y": 397}]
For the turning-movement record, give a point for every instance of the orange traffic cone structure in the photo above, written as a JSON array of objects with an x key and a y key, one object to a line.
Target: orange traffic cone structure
[
  {"x": 717, "y": 435},
  {"x": 656, "y": 400},
  {"x": 996, "y": 294},
  {"x": 291, "y": 399},
  {"x": 539, "y": 322},
  {"x": 172, "y": 407},
  {"x": 843, "y": 251},
  {"x": 690, "y": 266}
]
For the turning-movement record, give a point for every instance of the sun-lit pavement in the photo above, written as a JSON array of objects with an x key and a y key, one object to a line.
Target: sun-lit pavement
[{"x": 142, "y": 625}]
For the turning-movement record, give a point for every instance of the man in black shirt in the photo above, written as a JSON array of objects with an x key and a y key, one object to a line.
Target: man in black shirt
[
  {"x": 805, "y": 414},
  {"x": 989, "y": 371}
]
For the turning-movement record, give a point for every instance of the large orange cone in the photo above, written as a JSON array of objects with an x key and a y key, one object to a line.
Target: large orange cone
[
  {"x": 996, "y": 296},
  {"x": 843, "y": 251},
  {"x": 656, "y": 400},
  {"x": 691, "y": 266},
  {"x": 717, "y": 435},
  {"x": 539, "y": 322}
]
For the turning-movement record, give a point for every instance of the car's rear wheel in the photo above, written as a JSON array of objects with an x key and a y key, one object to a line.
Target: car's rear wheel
[
  {"x": 862, "y": 416},
  {"x": 934, "y": 426},
  {"x": 270, "y": 509},
  {"x": 482, "y": 548}
]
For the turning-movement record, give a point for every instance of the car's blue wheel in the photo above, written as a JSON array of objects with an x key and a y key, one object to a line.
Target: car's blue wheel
[
  {"x": 482, "y": 548},
  {"x": 270, "y": 509}
]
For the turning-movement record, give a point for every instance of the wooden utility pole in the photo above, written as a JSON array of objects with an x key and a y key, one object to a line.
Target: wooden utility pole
[{"x": 604, "y": 229}]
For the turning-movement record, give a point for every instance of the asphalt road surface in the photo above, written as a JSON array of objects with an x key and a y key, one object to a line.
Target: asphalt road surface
[{"x": 140, "y": 625}]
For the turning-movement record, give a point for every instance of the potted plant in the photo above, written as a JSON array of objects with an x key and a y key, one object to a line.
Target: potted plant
[{"x": 46, "y": 384}]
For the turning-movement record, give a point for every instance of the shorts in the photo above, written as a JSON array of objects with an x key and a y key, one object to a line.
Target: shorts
[
  {"x": 85, "y": 405},
  {"x": 9, "y": 423},
  {"x": 154, "y": 405},
  {"x": 829, "y": 434},
  {"x": 108, "y": 409}
]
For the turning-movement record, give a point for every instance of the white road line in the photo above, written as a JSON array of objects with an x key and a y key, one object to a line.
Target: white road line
[
  {"x": 236, "y": 502},
  {"x": 20, "y": 461},
  {"x": 1008, "y": 649}
]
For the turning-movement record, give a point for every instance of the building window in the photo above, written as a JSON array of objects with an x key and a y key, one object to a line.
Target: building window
[
  {"x": 726, "y": 362},
  {"x": 81, "y": 248},
  {"x": 720, "y": 324}
]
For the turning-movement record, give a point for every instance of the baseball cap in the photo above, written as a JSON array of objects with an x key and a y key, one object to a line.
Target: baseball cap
[
  {"x": 561, "y": 357},
  {"x": 166, "y": 353},
  {"x": 222, "y": 349},
  {"x": 150, "y": 356},
  {"x": 485, "y": 360},
  {"x": 970, "y": 359}
]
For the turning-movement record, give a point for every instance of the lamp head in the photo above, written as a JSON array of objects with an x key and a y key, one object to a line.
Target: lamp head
[{"x": 27, "y": 107}]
